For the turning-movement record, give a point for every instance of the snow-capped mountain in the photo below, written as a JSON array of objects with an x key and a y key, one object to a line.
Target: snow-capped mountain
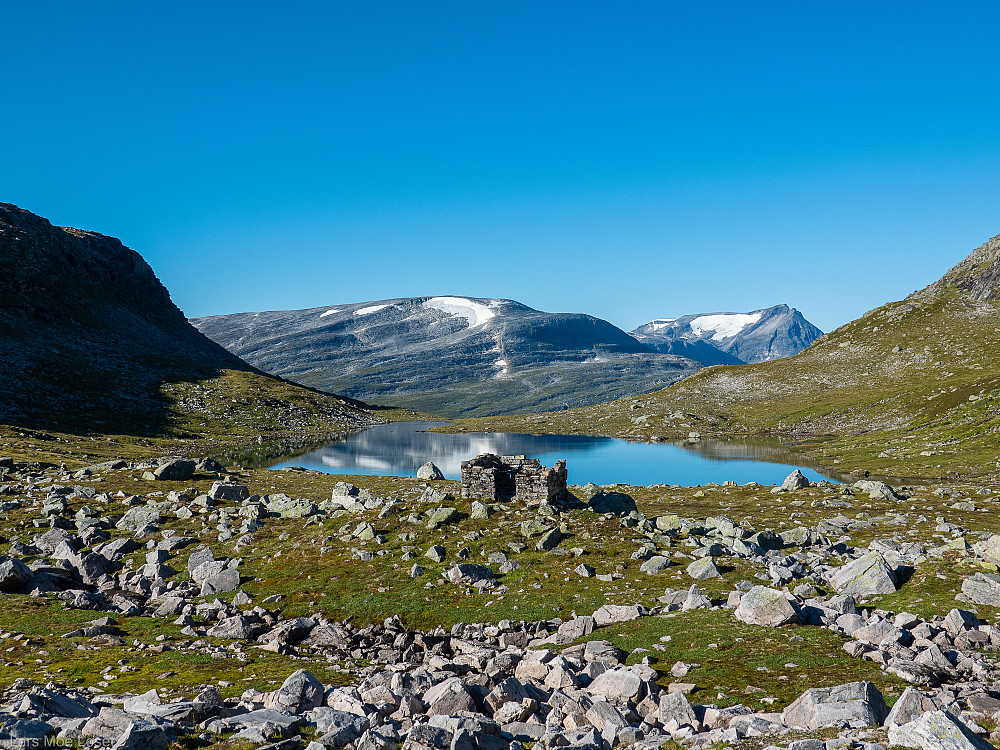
[
  {"x": 453, "y": 356},
  {"x": 731, "y": 338}
]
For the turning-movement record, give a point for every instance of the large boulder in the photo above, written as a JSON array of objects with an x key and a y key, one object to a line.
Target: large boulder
[
  {"x": 912, "y": 704},
  {"x": 236, "y": 627},
  {"x": 937, "y": 730},
  {"x": 617, "y": 503},
  {"x": 289, "y": 507},
  {"x": 429, "y": 471},
  {"x": 989, "y": 549},
  {"x": 983, "y": 588},
  {"x": 617, "y": 685},
  {"x": 142, "y": 735},
  {"x": 138, "y": 518},
  {"x": 15, "y": 576},
  {"x": 300, "y": 692},
  {"x": 703, "y": 568},
  {"x": 230, "y": 491},
  {"x": 794, "y": 481},
  {"x": 611, "y": 613},
  {"x": 867, "y": 576},
  {"x": 877, "y": 490},
  {"x": 175, "y": 469},
  {"x": 854, "y": 704},
  {"x": 764, "y": 606},
  {"x": 675, "y": 712}
]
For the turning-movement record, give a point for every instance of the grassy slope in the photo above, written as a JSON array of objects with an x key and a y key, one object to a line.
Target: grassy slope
[
  {"x": 854, "y": 401},
  {"x": 208, "y": 416}
]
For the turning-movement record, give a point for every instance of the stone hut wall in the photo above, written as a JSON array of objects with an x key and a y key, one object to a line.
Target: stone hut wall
[{"x": 501, "y": 478}]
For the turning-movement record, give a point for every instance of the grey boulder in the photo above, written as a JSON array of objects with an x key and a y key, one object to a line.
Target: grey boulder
[
  {"x": 300, "y": 692},
  {"x": 854, "y": 704},
  {"x": 765, "y": 606},
  {"x": 617, "y": 503},
  {"x": 175, "y": 469},
  {"x": 703, "y": 569},
  {"x": 866, "y": 576},
  {"x": 795, "y": 480},
  {"x": 937, "y": 730},
  {"x": 14, "y": 575},
  {"x": 983, "y": 588},
  {"x": 429, "y": 471}
]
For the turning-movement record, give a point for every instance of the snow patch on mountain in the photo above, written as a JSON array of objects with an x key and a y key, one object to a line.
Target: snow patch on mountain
[
  {"x": 724, "y": 325},
  {"x": 370, "y": 310},
  {"x": 659, "y": 323},
  {"x": 329, "y": 312},
  {"x": 477, "y": 314}
]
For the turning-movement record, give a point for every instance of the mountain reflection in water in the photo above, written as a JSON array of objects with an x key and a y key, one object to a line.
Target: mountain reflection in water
[{"x": 399, "y": 449}]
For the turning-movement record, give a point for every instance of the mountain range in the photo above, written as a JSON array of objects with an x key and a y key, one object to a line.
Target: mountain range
[
  {"x": 731, "y": 338},
  {"x": 469, "y": 356}
]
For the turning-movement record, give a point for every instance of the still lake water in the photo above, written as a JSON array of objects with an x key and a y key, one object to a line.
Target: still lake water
[{"x": 399, "y": 449}]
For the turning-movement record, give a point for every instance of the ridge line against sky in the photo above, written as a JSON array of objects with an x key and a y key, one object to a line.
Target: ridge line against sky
[{"x": 632, "y": 163}]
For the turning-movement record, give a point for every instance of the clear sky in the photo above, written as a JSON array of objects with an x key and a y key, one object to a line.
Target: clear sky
[{"x": 630, "y": 160}]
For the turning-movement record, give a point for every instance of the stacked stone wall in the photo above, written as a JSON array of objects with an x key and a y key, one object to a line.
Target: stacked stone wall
[{"x": 500, "y": 478}]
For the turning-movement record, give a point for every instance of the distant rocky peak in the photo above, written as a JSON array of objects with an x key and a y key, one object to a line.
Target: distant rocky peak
[{"x": 731, "y": 337}]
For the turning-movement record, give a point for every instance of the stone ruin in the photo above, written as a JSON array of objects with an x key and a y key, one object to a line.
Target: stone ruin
[{"x": 502, "y": 478}]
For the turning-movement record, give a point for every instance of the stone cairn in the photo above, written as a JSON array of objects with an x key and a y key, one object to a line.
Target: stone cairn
[{"x": 501, "y": 478}]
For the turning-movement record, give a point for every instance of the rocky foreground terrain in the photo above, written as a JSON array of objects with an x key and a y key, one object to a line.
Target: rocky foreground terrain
[{"x": 173, "y": 603}]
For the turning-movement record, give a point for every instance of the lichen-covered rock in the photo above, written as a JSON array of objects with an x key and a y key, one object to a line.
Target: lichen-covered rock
[
  {"x": 937, "y": 730},
  {"x": 983, "y": 588},
  {"x": 300, "y": 692},
  {"x": 764, "y": 606},
  {"x": 867, "y": 576},
  {"x": 703, "y": 569}
]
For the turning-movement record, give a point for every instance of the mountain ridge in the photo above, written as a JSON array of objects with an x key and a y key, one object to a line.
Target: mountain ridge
[
  {"x": 91, "y": 341},
  {"x": 448, "y": 355}
]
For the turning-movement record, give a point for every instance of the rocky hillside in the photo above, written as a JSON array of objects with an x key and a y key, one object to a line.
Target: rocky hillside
[
  {"x": 909, "y": 389},
  {"x": 451, "y": 356},
  {"x": 731, "y": 338},
  {"x": 90, "y": 340}
]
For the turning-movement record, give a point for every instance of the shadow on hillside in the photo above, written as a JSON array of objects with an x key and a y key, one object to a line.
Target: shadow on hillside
[{"x": 86, "y": 399}]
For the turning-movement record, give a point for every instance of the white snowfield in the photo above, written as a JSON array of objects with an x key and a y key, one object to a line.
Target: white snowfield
[
  {"x": 370, "y": 310},
  {"x": 329, "y": 312},
  {"x": 724, "y": 325},
  {"x": 477, "y": 314},
  {"x": 661, "y": 323}
]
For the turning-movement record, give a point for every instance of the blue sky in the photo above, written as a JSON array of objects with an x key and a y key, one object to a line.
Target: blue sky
[{"x": 630, "y": 162}]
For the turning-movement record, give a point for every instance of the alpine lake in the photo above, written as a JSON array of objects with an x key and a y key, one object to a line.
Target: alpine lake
[{"x": 400, "y": 448}]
